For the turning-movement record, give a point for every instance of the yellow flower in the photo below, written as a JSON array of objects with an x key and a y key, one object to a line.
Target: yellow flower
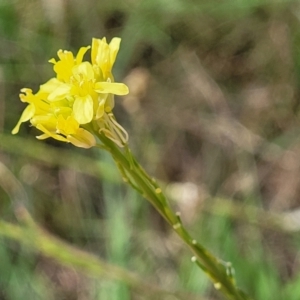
[
  {"x": 68, "y": 130},
  {"x": 104, "y": 56},
  {"x": 63, "y": 68},
  {"x": 81, "y": 93}
]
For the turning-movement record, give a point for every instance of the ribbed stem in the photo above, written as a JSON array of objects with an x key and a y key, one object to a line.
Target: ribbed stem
[{"x": 220, "y": 273}]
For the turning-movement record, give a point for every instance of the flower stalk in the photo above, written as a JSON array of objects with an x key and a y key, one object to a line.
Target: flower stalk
[{"x": 221, "y": 273}]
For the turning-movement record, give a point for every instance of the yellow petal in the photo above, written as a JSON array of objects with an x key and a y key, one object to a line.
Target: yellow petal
[
  {"x": 83, "y": 109},
  {"x": 80, "y": 54},
  {"x": 60, "y": 92},
  {"x": 109, "y": 103},
  {"x": 82, "y": 139},
  {"x": 63, "y": 67},
  {"x": 42, "y": 136},
  {"x": 83, "y": 71},
  {"x": 111, "y": 87},
  {"x": 27, "y": 95},
  {"x": 114, "y": 46},
  {"x": 100, "y": 109},
  {"x": 27, "y": 114},
  {"x": 48, "y": 133},
  {"x": 50, "y": 86},
  {"x": 99, "y": 51},
  {"x": 49, "y": 121},
  {"x": 52, "y": 61},
  {"x": 67, "y": 126},
  {"x": 66, "y": 56}
]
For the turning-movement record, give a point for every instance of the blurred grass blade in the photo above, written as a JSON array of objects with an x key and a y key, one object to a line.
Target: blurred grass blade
[
  {"x": 57, "y": 157},
  {"x": 46, "y": 244}
]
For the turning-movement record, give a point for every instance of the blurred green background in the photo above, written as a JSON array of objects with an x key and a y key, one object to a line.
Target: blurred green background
[{"x": 213, "y": 113}]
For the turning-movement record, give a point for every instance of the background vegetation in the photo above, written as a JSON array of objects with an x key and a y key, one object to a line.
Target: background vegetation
[{"x": 213, "y": 113}]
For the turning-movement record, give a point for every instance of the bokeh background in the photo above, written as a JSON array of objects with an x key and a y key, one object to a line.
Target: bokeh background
[{"x": 213, "y": 113}]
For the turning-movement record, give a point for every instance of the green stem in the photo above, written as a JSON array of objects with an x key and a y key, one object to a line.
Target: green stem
[{"x": 220, "y": 273}]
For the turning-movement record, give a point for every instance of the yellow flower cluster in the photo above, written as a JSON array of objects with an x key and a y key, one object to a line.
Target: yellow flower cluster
[{"x": 81, "y": 93}]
